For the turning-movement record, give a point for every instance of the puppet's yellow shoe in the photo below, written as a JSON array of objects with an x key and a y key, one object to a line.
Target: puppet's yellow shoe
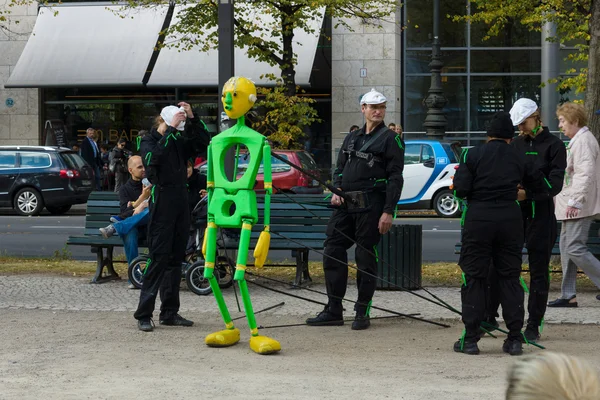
[
  {"x": 264, "y": 345},
  {"x": 224, "y": 338}
]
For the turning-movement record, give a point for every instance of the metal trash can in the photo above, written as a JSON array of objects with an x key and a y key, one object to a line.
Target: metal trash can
[{"x": 400, "y": 253}]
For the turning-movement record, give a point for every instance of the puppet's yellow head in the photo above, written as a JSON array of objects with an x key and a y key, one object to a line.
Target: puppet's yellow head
[{"x": 239, "y": 96}]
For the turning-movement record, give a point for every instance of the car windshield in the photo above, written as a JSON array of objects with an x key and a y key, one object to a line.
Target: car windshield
[
  {"x": 276, "y": 165},
  {"x": 72, "y": 160},
  {"x": 453, "y": 150},
  {"x": 307, "y": 161},
  {"x": 244, "y": 159}
]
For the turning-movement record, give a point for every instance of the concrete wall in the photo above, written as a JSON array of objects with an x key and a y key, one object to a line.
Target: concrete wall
[
  {"x": 19, "y": 124},
  {"x": 378, "y": 50}
]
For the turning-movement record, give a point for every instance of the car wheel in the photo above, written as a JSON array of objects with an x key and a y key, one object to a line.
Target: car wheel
[
  {"x": 58, "y": 210},
  {"x": 28, "y": 201},
  {"x": 446, "y": 205}
]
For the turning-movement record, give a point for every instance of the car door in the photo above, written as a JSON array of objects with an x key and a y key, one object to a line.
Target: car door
[
  {"x": 8, "y": 175},
  {"x": 419, "y": 163}
]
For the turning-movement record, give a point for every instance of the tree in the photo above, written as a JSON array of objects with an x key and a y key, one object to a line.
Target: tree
[
  {"x": 271, "y": 40},
  {"x": 576, "y": 20}
]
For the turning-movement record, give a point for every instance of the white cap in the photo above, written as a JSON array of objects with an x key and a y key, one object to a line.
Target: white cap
[
  {"x": 521, "y": 110},
  {"x": 169, "y": 112},
  {"x": 373, "y": 97}
]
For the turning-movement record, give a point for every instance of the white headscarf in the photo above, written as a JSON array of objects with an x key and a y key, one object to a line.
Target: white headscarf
[{"x": 169, "y": 112}]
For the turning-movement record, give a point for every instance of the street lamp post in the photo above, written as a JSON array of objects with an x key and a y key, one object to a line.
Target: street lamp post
[
  {"x": 435, "y": 122},
  {"x": 226, "y": 71}
]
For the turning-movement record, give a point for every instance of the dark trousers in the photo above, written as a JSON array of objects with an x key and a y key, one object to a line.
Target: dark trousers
[
  {"x": 539, "y": 224},
  {"x": 492, "y": 234},
  {"x": 168, "y": 232},
  {"x": 342, "y": 230}
]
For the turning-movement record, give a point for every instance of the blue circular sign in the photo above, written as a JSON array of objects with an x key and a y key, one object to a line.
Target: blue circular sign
[{"x": 9, "y": 102}]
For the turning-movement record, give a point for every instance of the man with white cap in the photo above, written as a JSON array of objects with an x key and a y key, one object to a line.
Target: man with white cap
[
  {"x": 177, "y": 136},
  {"x": 547, "y": 154},
  {"x": 369, "y": 170}
]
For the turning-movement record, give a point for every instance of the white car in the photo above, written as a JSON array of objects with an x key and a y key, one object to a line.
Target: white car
[{"x": 429, "y": 166}]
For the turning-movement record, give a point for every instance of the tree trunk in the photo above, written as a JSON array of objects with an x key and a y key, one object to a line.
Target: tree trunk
[
  {"x": 288, "y": 72},
  {"x": 592, "y": 94}
]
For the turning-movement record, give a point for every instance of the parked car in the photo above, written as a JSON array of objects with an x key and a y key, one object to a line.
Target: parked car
[
  {"x": 32, "y": 177},
  {"x": 285, "y": 178},
  {"x": 428, "y": 169}
]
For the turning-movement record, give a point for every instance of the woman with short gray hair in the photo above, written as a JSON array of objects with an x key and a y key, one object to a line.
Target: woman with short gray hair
[{"x": 578, "y": 202}]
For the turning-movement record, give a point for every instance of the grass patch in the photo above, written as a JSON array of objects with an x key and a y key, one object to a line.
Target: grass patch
[{"x": 433, "y": 274}]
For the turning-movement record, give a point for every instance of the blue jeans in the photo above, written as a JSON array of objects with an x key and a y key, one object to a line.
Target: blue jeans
[{"x": 128, "y": 231}]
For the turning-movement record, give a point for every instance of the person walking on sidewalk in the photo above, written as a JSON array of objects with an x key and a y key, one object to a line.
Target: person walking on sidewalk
[
  {"x": 369, "y": 165},
  {"x": 578, "y": 202}
]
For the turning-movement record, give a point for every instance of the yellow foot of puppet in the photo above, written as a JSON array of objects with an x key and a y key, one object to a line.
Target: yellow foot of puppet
[
  {"x": 264, "y": 345},
  {"x": 224, "y": 338}
]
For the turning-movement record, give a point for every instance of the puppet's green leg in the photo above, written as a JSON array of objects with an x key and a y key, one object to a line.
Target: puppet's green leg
[
  {"x": 230, "y": 335},
  {"x": 258, "y": 344}
]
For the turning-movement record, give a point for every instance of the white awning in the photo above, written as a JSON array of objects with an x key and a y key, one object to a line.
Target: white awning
[
  {"x": 91, "y": 46},
  {"x": 87, "y": 45},
  {"x": 195, "y": 68}
]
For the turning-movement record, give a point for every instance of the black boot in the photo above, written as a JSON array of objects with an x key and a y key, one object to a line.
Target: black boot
[
  {"x": 361, "y": 322},
  {"x": 514, "y": 347},
  {"x": 467, "y": 347},
  {"x": 532, "y": 333},
  {"x": 326, "y": 318}
]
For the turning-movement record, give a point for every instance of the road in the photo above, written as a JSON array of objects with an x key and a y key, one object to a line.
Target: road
[{"x": 46, "y": 234}]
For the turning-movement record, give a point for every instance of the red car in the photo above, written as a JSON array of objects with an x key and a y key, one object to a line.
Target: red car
[{"x": 285, "y": 177}]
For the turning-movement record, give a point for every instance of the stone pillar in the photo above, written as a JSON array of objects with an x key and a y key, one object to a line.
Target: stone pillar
[
  {"x": 19, "y": 108},
  {"x": 377, "y": 53},
  {"x": 550, "y": 69}
]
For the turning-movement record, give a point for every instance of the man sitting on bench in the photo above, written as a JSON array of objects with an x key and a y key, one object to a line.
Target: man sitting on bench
[{"x": 133, "y": 198}]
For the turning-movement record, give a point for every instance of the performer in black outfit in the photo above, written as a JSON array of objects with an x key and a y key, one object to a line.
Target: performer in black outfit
[
  {"x": 177, "y": 136},
  {"x": 487, "y": 178},
  {"x": 369, "y": 166}
]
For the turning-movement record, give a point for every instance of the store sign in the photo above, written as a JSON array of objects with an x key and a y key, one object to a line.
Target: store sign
[
  {"x": 55, "y": 133},
  {"x": 112, "y": 135}
]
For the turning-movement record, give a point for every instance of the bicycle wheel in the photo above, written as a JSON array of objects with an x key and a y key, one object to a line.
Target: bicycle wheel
[
  {"x": 136, "y": 269},
  {"x": 195, "y": 280},
  {"x": 224, "y": 272}
]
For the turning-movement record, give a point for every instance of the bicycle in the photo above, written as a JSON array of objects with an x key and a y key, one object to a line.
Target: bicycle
[{"x": 192, "y": 269}]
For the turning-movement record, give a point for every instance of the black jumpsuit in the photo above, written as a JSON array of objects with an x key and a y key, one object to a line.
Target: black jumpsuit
[
  {"x": 487, "y": 178},
  {"x": 165, "y": 159},
  {"x": 547, "y": 154},
  {"x": 382, "y": 181}
]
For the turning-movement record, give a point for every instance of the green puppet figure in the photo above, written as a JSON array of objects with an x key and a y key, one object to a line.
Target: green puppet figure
[{"x": 239, "y": 95}]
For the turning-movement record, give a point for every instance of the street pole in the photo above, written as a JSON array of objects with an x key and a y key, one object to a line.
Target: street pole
[
  {"x": 435, "y": 122},
  {"x": 226, "y": 71}
]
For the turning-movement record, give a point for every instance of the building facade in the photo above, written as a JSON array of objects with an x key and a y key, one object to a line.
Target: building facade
[
  {"x": 479, "y": 78},
  {"x": 19, "y": 108}
]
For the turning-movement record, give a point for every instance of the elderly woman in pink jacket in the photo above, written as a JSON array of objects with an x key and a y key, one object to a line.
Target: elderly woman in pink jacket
[{"x": 578, "y": 202}]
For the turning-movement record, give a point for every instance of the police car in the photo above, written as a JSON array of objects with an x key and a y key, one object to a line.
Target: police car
[{"x": 428, "y": 169}]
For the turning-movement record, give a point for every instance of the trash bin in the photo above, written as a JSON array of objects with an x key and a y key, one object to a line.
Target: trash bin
[{"x": 400, "y": 253}]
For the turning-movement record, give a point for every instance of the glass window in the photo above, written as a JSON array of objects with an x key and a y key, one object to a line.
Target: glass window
[
  {"x": 72, "y": 160},
  {"x": 426, "y": 153},
  {"x": 452, "y": 153},
  {"x": 307, "y": 161},
  {"x": 490, "y": 94},
  {"x": 513, "y": 35},
  {"x": 35, "y": 160},
  {"x": 276, "y": 164},
  {"x": 417, "y": 61},
  {"x": 8, "y": 159},
  {"x": 412, "y": 154},
  {"x": 455, "y": 90},
  {"x": 419, "y": 27},
  {"x": 506, "y": 61}
]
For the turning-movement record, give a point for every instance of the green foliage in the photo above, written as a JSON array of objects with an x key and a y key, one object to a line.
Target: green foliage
[
  {"x": 571, "y": 17},
  {"x": 285, "y": 117}
]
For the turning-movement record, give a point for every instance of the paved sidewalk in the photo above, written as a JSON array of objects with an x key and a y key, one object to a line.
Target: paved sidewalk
[{"x": 75, "y": 294}]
